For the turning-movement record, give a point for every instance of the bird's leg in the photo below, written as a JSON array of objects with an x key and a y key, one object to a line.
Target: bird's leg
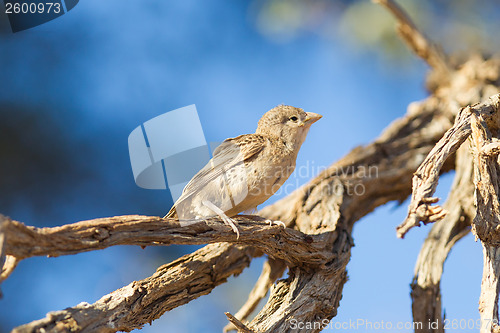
[
  {"x": 227, "y": 220},
  {"x": 280, "y": 223}
]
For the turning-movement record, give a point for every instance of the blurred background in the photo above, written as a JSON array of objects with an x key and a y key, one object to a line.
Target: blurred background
[{"x": 73, "y": 89}]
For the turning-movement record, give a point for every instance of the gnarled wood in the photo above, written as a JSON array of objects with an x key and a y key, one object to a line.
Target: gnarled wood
[
  {"x": 416, "y": 40},
  {"x": 290, "y": 245},
  {"x": 271, "y": 271},
  {"x": 427, "y": 175},
  {"x": 426, "y": 292},
  {"x": 486, "y": 224},
  {"x": 140, "y": 302}
]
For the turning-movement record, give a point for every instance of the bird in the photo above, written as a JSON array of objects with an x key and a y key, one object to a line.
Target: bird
[{"x": 246, "y": 170}]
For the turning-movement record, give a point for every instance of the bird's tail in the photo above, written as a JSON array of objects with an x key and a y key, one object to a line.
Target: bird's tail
[{"x": 171, "y": 214}]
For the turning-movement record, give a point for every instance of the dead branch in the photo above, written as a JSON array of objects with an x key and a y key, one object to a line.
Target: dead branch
[
  {"x": 393, "y": 154},
  {"x": 329, "y": 206},
  {"x": 238, "y": 324},
  {"x": 140, "y": 302},
  {"x": 490, "y": 287},
  {"x": 308, "y": 207},
  {"x": 486, "y": 224},
  {"x": 416, "y": 40},
  {"x": 271, "y": 271},
  {"x": 426, "y": 294},
  {"x": 8, "y": 266},
  {"x": 288, "y": 244},
  {"x": 427, "y": 175},
  {"x": 7, "y": 262}
]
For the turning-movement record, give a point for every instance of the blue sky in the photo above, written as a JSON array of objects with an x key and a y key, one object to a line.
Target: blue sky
[{"x": 107, "y": 66}]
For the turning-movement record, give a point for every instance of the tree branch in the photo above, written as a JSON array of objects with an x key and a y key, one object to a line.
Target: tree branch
[
  {"x": 485, "y": 143},
  {"x": 490, "y": 287},
  {"x": 271, "y": 271},
  {"x": 140, "y": 302},
  {"x": 426, "y": 177},
  {"x": 426, "y": 294},
  {"x": 416, "y": 40},
  {"x": 238, "y": 325},
  {"x": 288, "y": 244},
  {"x": 317, "y": 208}
]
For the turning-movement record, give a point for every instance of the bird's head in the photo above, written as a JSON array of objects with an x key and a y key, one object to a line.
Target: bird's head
[{"x": 287, "y": 123}]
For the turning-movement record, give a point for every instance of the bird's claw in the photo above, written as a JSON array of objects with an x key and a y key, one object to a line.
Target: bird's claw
[
  {"x": 230, "y": 222},
  {"x": 226, "y": 219},
  {"x": 280, "y": 223}
]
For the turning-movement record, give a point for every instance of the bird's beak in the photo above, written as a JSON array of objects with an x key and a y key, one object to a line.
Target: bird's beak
[{"x": 311, "y": 118}]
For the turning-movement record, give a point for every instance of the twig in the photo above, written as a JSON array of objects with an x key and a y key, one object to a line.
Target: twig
[
  {"x": 238, "y": 324},
  {"x": 271, "y": 271},
  {"x": 416, "y": 40},
  {"x": 9, "y": 264}
]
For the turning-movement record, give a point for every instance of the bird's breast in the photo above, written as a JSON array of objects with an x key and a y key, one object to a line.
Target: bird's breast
[{"x": 267, "y": 176}]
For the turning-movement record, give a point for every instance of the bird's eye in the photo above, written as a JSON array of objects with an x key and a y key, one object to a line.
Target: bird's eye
[{"x": 293, "y": 118}]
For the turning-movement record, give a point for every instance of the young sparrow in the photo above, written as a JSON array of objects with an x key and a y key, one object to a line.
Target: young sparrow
[{"x": 246, "y": 170}]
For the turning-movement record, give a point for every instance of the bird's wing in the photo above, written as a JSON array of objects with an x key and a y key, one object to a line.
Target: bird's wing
[{"x": 230, "y": 153}]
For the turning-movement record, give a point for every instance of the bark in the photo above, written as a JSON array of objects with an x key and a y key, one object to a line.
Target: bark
[
  {"x": 427, "y": 175},
  {"x": 290, "y": 245},
  {"x": 476, "y": 122},
  {"x": 426, "y": 294},
  {"x": 140, "y": 302},
  {"x": 485, "y": 147},
  {"x": 488, "y": 301},
  {"x": 271, "y": 271},
  {"x": 417, "y": 41}
]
